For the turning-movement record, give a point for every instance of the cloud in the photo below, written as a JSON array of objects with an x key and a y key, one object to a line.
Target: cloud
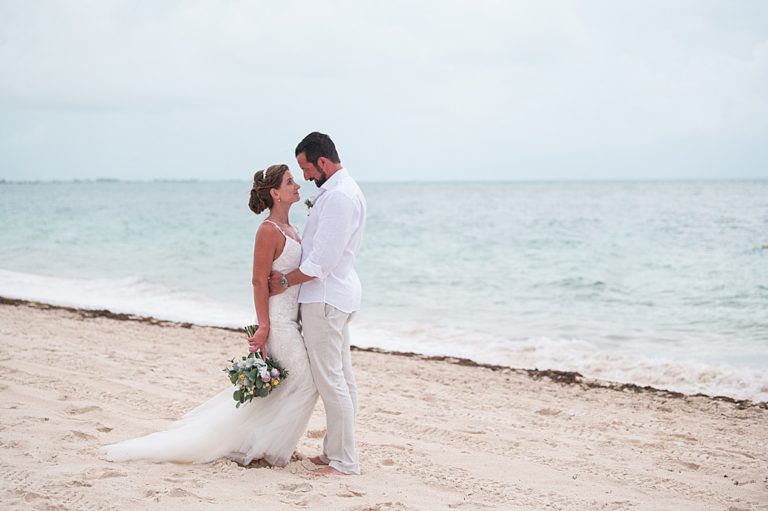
[{"x": 420, "y": 90}]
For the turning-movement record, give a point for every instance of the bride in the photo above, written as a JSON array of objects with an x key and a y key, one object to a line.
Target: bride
[{"x": 266, "y": 428}]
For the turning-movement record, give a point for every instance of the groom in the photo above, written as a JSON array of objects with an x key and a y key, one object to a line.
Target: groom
[{"x": 330, "y": 294}]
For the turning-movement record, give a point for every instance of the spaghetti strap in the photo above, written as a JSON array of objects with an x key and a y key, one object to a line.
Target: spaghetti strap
[{"x": 278, "y": 227}]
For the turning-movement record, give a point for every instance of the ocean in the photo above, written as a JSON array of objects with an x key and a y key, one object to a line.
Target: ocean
[{"x": 652, "y": 283}]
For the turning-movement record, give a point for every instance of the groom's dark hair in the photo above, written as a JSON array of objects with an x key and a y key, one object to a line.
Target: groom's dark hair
[{"x": 316, "y": 145}]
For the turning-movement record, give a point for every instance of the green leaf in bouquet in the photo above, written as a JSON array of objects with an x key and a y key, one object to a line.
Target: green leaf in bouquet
[
  {"x": 263, "y": 392},
  {"x": 238, "y": 396}
]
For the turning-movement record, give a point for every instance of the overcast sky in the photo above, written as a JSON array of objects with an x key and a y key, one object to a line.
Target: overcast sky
[{"x": 454, "y": 90}]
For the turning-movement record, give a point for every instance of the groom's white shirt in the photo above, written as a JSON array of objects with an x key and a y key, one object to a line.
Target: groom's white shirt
[{"x": 331, "y": 241}]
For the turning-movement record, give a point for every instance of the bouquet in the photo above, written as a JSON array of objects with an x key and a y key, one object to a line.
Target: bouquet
[{"x": 253, "y": 376}]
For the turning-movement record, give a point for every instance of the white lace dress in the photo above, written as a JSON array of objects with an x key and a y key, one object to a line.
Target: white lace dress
[{"x": 266, "y": 428}]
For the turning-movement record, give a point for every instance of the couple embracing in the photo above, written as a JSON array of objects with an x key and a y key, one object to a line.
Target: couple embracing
[{"x": 305, "y": 292}]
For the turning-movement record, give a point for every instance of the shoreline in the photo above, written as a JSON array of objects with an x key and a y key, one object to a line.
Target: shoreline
[{"x": 555, "y": 375}]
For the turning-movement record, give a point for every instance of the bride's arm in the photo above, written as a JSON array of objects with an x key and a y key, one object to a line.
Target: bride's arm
[
  {"x": 335, "y": 228},
  {"x": 264, "y": 251}
]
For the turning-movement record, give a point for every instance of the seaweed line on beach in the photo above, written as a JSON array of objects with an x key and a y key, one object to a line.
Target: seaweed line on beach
[{"x": 557, "y": 376}]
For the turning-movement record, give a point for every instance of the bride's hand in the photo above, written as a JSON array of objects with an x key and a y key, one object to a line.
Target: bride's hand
[{"x": 259, "y": 342}]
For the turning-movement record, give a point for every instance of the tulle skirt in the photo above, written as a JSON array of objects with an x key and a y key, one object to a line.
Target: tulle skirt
[{"x": 266, "y": 428}]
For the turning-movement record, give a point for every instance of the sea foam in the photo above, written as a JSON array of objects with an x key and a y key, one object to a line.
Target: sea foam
[
  {"x": 126, "y": 295},
  {"x": 136, "y": 296},
  {"x": 564, "y": 354}
]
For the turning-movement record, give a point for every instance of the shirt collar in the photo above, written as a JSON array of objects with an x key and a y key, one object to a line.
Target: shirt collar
[{"x": 335, "y": 180}]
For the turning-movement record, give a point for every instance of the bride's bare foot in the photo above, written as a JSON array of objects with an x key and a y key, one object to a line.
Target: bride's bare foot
[
  {"x": 317, "y": 460},
  {"x": 327, "y": 471}
]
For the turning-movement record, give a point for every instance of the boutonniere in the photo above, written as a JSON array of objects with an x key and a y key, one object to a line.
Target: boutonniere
[{"x": 310, "y": 202}]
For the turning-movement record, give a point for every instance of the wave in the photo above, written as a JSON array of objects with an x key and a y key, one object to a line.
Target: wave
[
  {"x": 129, "y": 295},
  {"x": 569, "y": 354},
  {"x": 136, "y": 296}
]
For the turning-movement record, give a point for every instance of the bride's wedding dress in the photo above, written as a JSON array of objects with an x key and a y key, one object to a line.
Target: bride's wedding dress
[{"x": 266, "y": 428}]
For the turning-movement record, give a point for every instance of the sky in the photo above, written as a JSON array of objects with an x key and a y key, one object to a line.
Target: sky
[{"x": 469, "y": 90}]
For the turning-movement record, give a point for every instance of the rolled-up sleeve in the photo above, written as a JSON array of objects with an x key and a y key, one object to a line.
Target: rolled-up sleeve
[{"x": 334, "y": 230}]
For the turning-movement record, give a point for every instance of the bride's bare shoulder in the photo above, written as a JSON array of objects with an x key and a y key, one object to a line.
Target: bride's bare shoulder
[
  {"x": 269, "y": 243},
  {"x": 268, "y": 234}
]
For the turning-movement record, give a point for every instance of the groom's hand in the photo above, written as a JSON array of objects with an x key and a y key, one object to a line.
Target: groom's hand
[{"x": 274, "y": 283}]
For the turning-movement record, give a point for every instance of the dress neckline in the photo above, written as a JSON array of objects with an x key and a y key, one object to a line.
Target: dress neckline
[{"x": 283, "y": 232}]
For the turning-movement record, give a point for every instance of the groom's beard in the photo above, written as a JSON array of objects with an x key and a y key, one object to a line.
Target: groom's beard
[{"x": 322, "y": 179}]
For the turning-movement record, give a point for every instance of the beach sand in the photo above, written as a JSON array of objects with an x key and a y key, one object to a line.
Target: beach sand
[{"x": 432, "y": 434}]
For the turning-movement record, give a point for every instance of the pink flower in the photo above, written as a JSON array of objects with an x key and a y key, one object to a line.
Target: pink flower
[
  {"x": 265, "y": 377},
  {"x": 275, "y": 373}
]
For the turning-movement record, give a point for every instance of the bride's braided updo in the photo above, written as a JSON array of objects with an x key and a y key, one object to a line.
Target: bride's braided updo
[{"x": 263, "y": 182}]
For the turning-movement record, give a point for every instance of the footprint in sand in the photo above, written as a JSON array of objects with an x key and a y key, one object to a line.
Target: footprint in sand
[
  {"x": 472, "y": 431},
  {"x": 79, "y": 435},
  {"x": 381, "y": 506},
  {"x": 388, "y": 412},
  {"x": 296, "y": 488},
  {"x": 349, "y": 492},
  {"x": 471, "y": 505},
  {"x": 83, "y": 409},
  {"x": 109, "y": 473},
  {"x": 297, "y": 502},
  {"x": 315, "y": 433},
  {"x": 689, "y": 465},
  {"x": 181, "y": 492},
  {"x": 291, "y": 494}
]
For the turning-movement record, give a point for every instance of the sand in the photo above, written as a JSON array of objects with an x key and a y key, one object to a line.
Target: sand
[{"x": 432, "y": 434}]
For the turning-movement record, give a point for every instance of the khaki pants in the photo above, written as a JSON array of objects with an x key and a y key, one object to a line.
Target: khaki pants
[{"x": 326, "y": 336}]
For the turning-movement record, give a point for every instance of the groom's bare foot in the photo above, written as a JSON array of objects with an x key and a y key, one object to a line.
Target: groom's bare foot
[
  {"x": 327, "y": 471},
  {"x": 317, "y": 460}
]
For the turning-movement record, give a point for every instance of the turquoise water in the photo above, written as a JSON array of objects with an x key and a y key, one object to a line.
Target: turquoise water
[{"x": 662, "y": 283}]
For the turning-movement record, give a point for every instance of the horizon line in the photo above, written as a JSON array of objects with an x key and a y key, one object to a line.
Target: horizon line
[{"x": 102, "y": 180}]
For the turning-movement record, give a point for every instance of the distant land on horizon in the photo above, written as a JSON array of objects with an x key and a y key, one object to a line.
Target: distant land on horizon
[{"x": 426, "y": 181}]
